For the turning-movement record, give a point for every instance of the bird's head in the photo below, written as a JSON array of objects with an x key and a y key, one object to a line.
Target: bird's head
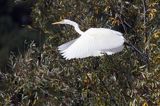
[
  {"x": 69, "y": 22},
  {"x": 64, "y": 21}
]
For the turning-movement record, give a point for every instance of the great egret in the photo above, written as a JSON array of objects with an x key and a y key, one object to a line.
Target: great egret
[{"x": 92, "y": 42}]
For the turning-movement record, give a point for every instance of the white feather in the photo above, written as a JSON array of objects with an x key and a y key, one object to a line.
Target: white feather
[
  {"x": 114, "y": 50},
  {"x": 66, "y": 45}
]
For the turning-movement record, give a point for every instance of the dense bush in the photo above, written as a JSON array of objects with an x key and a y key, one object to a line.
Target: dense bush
[{"x": 41, "y": 76}]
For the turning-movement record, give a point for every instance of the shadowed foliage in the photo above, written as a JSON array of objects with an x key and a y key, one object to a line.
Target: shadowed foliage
[{"x": 40, "y": 76}]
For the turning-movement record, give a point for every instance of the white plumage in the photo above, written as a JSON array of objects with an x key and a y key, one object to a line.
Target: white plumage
[{"x": 93, "y": 42}]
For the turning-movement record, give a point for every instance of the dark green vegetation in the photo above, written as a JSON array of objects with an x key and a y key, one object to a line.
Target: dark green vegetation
[{"x": 40, "y": 76}]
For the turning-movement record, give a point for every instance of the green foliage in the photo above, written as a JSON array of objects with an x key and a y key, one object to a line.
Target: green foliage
[{"x": 42, "y": 77}]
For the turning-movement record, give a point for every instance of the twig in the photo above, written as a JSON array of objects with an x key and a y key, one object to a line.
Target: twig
[{"x": 144, "y": 13}]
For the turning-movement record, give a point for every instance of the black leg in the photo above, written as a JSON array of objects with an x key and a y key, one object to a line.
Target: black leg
[{"x": 144, "y": 56}]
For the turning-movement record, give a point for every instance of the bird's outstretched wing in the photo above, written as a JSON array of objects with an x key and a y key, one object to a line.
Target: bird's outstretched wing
[
  {"x": 66, "y": 45},
  {"x": 80, "y": 48},
  {"x": 95, "y": 42}
]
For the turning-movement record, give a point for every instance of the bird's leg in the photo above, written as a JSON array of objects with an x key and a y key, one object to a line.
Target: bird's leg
[{"x": 144, "y": 56}]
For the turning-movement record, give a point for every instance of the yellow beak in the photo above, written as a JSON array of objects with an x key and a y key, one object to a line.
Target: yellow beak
[{"x": 56, "y": 23}]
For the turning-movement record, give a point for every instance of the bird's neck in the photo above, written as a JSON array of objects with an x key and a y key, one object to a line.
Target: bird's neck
[
  {"x": 78, "y": 30},
  {"x": 76, "y": 27}
]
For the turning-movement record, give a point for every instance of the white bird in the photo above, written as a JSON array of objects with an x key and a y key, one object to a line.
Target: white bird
[{"x": 92, "y": 42}]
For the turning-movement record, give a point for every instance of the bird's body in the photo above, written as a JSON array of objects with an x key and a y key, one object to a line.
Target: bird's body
[{"x": 93, "y": 42}]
